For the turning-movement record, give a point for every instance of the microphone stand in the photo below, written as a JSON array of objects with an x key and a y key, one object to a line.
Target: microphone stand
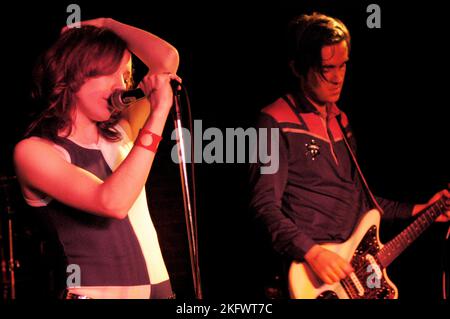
[
  {"x": 4, "y": 280},
  {"x": 190, "y": 219},
  {"x": 12, "y": 263}
]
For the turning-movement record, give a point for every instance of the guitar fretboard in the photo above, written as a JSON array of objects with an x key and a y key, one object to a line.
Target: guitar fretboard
[{"x": 396, "y": 246}]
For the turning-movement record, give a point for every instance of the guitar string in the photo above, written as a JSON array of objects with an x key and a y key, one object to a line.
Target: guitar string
[
  {"x": 360, "y": 271},
  {"x": 347, "y": 287},
  {"x": 439, "y": 205},
  {"x": 348, "y": 284}
]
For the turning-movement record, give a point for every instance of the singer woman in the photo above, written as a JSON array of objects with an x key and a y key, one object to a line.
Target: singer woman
[{"x": 83, "y": 164}]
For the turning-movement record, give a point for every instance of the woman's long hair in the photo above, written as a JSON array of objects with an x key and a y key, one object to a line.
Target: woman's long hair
[{"x": 78, "y": 54}]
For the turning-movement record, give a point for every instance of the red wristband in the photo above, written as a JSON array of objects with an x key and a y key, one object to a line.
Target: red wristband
[{"x": 148, "y": 140}]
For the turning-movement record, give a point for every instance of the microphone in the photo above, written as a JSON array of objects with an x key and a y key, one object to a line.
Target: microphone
[
  {"x": 121, "y": 99},
  {"x": 176, "y": 86}
]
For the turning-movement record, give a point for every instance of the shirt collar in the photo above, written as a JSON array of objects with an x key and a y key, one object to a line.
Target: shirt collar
[{"x": 303, "y": 105}]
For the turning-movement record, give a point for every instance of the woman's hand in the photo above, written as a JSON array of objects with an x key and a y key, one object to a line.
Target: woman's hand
[{"x": 158, "y": 89}]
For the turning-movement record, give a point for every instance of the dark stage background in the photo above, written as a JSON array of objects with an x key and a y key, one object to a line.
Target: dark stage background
[{"x": 232, "y": 62}]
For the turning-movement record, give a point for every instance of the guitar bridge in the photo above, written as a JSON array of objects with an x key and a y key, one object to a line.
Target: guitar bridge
[{"x": 367, "y": 281}]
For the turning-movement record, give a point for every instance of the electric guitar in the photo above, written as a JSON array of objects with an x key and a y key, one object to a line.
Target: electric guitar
[{"x": 368, "y": 257}]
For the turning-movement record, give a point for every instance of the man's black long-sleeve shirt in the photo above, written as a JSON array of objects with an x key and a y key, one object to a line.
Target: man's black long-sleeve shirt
[{"x": 316, "y": 194}]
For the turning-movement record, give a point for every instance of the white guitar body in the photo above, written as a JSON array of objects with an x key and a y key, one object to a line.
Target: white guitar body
[{"x": 369, "y": 281}]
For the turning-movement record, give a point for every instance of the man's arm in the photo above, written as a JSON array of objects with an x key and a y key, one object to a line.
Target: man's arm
[
  {"x": 266, "y": 198},
  {"x": 287, "y": 238},
  {"x": 395, "y": 209},
  {"x": 398, "y": 210}
]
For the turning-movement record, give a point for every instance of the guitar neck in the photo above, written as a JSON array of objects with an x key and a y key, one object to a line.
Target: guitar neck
[{"x": 396, "y": 246}]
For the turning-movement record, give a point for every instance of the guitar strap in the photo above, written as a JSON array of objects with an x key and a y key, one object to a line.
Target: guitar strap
[{"x": 352, "y": 155}]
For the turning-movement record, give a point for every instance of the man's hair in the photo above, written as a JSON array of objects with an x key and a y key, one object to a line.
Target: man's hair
[
  {"x": 308, "y": 34},
  {"x": 78, "y": 54}
]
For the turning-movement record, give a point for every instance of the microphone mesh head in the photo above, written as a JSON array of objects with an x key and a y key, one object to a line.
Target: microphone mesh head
[
  {"x": 120, "y": 99},
  {"x": 116, "y": 101}
]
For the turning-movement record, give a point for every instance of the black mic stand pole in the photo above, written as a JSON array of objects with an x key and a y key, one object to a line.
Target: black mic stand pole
[
  {"x": 191, "y": 227},
  {"x": 12, "y": 264}
]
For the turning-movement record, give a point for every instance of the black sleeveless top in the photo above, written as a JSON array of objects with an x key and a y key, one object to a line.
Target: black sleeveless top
[{"x": 106, "y": 250}]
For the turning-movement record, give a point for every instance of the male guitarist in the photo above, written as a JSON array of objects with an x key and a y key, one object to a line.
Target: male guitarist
[{"x": 318, "y": 193}]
